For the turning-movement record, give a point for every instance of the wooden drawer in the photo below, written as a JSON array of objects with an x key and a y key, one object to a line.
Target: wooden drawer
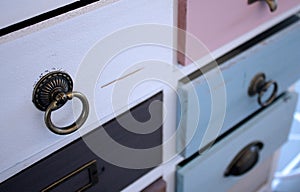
[
  {"x": 62, "y": 44},
  {"x": 158, "y": 186},
  {"x": 218, "y": 23},
  {"x": 229, "y": 97},
  {"x": 267, "y": 130},
  {"x": 54, "y": 171},
  {"x": 12, "y": 12}
]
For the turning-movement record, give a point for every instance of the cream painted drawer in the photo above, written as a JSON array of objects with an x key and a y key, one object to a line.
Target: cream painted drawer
[
  {"x": 223, "y": 167},
  {"x": 70, "y": 46},
  {"x": 211, "y": 104},
  {"x": 216, "y": 23}
]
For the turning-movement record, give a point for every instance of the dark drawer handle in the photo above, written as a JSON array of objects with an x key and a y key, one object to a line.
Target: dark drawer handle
[
  {"x": 273, "y": 4},
  {"x": 51, "y": 92},
  {"x": 259, "y": 86},
  {"x": 245, "y": 160},
  {"x": 91, "y": 167}
]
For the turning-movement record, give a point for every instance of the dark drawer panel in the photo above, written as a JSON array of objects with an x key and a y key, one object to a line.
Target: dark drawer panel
[{"x": 63, "y": 166}]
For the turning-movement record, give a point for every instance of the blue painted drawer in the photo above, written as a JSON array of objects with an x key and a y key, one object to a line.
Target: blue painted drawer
[
  {"x": 206, "y": 111},
  {"x": 269, "y": 128}
]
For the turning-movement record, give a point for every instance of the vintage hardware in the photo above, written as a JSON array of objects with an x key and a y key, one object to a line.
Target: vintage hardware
[
  {"x": 245, "y": 160},
  {"x": 222, "y": 26},
  {"x": 51, "y": 92},
  {"x": 197, "y": 172},
  {"x": 78, "y": 165},
  {"x": 273, "y": 4},
  {"x": 61, "y": 44},
  {"x": 267, "y": 53},
  {"x": 91, "y": 167},
  {"x": 259, "y": 86}
]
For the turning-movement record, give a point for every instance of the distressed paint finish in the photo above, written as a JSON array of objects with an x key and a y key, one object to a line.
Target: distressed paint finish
[
  {"x": 12, "y": 12},
  {"x": 63, "y": 46},
  {"x": 216, "y": 23},
  {"x": 112, "y": 177},
  {"x": 270, "y": 127},
  {"x": 278, "y": 57}
]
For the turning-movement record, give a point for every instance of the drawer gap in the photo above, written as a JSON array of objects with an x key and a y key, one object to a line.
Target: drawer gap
[
  {"x": 224, "y": 135},
  {"x": 282, "y": 25},
  {"x": 45, "y": 16}
]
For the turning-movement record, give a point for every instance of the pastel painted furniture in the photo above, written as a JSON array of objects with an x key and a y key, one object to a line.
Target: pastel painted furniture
[
  {"x": 217, "y": 24},
  {"x": 275, "y": 55},
  {"x": 256, "y": 136},
  {"x": 95, "y": 98}
]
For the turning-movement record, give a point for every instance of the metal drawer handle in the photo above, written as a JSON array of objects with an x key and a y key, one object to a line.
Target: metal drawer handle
[
  {"x": 91, "y": 167},
  {"x": 74, "y": 126},
  {"x": 245, "y": 160},
  {"x": 259, "y": 86},
  {"x": 51, "y": 92},
  {"x": 273, "y": 4}
]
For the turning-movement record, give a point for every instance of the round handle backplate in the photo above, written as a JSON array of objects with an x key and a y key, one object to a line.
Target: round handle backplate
[
  {"x": 51, "y": 92},
  {"x": 259, "y": 86}
]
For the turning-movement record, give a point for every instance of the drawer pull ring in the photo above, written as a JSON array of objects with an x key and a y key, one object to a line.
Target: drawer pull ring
[
  {"x": 273, "y": 4},
  {"x": 245, "y": 160},
  {"x": 51, "y": 92},
  {"x": 260, "y": 86}
]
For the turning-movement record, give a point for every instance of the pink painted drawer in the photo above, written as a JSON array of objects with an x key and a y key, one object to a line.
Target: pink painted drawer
[{"x": 217, "y": 23}]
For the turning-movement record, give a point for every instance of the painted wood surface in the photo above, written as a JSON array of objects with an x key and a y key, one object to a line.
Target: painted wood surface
[
  {"x": 271, "y": 127},
  {"x": 25, "y": 138},
  {"x": 217, "y": 23},
  {"x": 12, "y": 12},
  {"x": 276, "y": 56},
  {"x": 112, "y": 177},
  {"x": 158, "y": 186}
]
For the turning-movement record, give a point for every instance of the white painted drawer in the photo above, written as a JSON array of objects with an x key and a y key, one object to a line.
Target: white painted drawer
[
  {"x": 270, "y": 127},
  {"x": 210, "y": 105},
  {"x": 67, "y": 46},
  {"x": 218, "y": 23},
  {"x": 15, "y": 11}
]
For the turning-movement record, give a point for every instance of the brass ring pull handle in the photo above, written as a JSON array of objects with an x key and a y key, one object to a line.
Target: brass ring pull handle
[
  {"x": 273, "y": 4},
  {"x": 245, "y": 160},
  {"x": 51, "y": 92},
  {"x": 261, "y": 93},
  {"x": 259, "y": 86},
  {"x": 74, "y": 126}
]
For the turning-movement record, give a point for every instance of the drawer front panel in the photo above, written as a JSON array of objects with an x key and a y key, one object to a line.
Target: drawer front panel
[
  {"x": 12, "y": 12},
  {"x": 271, "y": 57},
  {"x": 158, "y": 186},
  {"x": 270, "y": 127},
  {"x": 217, "y": 23},
  {"x": 111, "y": 177},
  {"x": 64, "y": 46}
]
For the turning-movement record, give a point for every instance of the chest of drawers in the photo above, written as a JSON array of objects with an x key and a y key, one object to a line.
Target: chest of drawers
[{"x": 214, "y": 100}]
